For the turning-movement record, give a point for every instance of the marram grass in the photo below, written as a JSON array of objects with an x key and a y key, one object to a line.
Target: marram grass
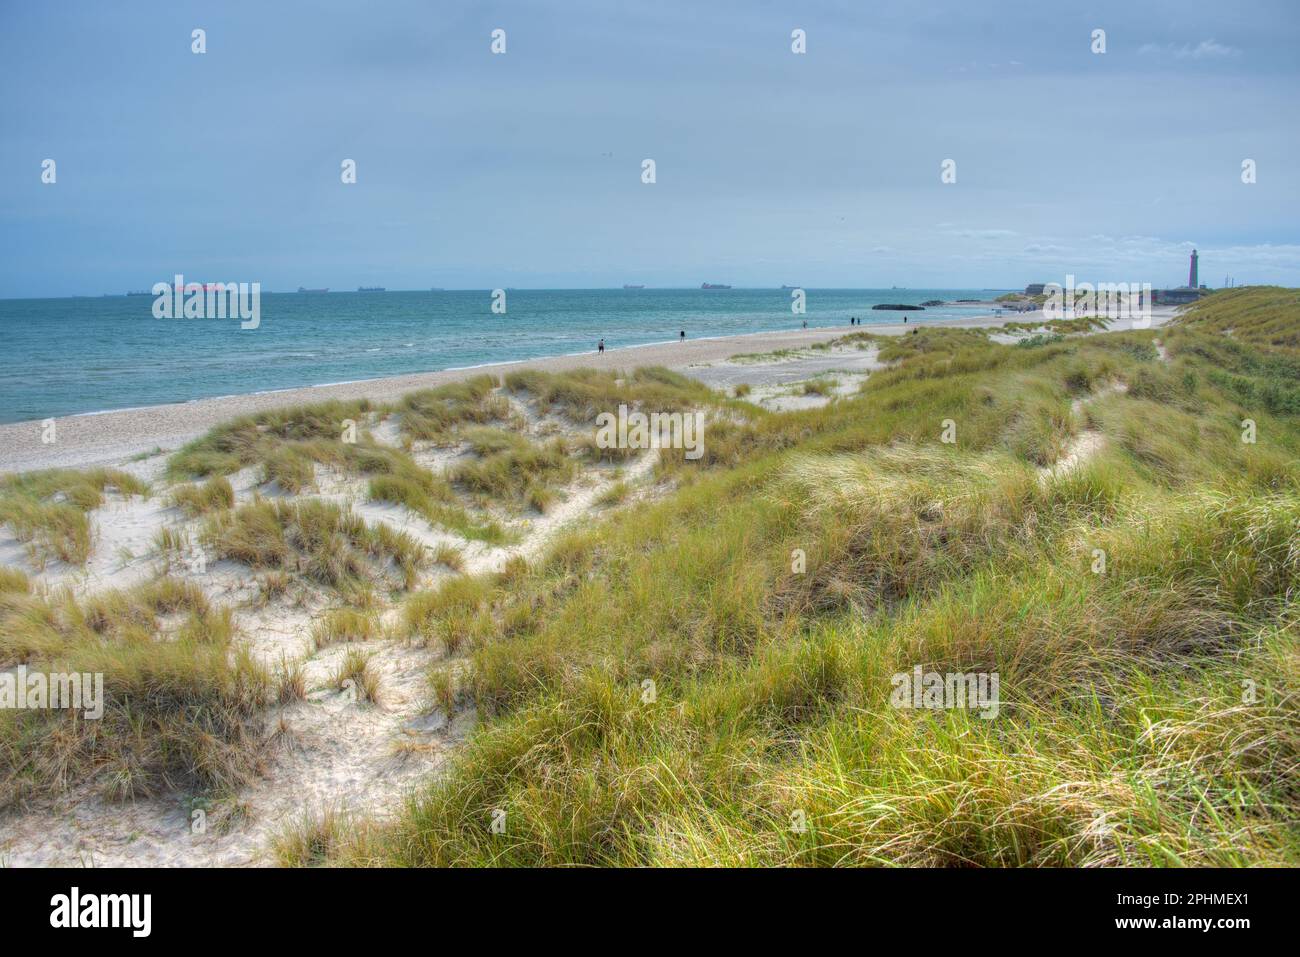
[
  {"x": 1148, "y": 710},
  {"x": 705, "y": 677}
]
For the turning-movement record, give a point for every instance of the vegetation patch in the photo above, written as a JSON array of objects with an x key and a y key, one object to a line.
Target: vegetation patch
[
  {"x": 48, "y": 509},
  {"x": 433, "y": 414},
  {"x": 180, "y": 700},
  {"x": 810, "y": 557},
  {"x": 323, "y": 542}
]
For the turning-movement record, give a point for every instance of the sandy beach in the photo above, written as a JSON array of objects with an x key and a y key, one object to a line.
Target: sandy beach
[
  {"x": 113, "y": 437},
  {"x": 336, "y": 752}
]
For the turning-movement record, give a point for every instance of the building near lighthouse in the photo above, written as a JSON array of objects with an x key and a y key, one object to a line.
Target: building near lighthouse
[{"x": 1183, "y": 294}]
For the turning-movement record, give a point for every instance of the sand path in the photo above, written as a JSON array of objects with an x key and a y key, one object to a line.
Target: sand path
[
  {"x": 111, "y": 437},
  {"x": 329, "y": 751}
]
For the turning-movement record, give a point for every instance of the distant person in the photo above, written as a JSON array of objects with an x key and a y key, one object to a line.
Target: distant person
[
  {"x": 905, "y": 319},
  {"x": 805, "y": 323},
  {"x": 682, "y": 336},
  {"x": 600, "y": 347}
]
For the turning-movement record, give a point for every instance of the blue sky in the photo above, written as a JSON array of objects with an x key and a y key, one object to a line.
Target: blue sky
[{"x": 478, "y": 170}]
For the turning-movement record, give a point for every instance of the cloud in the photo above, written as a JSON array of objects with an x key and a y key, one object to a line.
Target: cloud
[
  {"x": 981, "y": 233},
  {"x": 1205, "y": 50}
]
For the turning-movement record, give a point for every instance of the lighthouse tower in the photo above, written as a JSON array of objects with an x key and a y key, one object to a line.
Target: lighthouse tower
[{"x": 1191, "y": 273}]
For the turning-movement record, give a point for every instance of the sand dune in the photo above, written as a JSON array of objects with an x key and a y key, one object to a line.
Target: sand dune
[{"x": 113, "y": 437}]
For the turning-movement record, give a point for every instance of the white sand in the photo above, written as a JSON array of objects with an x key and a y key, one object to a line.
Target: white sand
[
  {"x": 329, "y": 751},
  {"x": 113, "y": 437}
]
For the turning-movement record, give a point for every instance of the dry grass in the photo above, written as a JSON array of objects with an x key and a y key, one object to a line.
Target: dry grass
[
  {"x": 48, "y": 509},
  {"x": 809, "y": 557},
  {"x": 513, "y": 469},
  {"x": 435, "y": 414},
  {"x": 321, "y": 541},
  {"x": 345, "y": 625},
  {"x": 356, "y": 677},
  {"x": 180, "y": 699},
  {"x": 312, "y": 840},
  {"x": 199, "y": 499}
]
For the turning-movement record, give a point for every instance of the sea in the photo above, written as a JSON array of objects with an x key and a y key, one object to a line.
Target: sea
[{"x": 87, "y": 355}]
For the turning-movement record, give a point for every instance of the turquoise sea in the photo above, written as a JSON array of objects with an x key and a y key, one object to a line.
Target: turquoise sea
[{"x": 80, "y": 355}]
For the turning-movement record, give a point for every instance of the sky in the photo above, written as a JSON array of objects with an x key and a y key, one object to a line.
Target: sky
[{"x": 524, "y": 168}]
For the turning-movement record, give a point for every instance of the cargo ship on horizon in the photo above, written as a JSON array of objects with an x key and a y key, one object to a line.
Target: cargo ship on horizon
[
  {"x": 190, "y": 287},
  {"x": 714, "y": 285},
  {"x": 186, "y": 288},
  {"x": 303, "y": 289}
]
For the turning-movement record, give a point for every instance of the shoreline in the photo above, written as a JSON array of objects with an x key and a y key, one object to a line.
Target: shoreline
[{"x": 111, "y": 436}]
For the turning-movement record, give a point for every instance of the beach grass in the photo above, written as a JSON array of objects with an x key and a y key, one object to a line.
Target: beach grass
[
  {"x": 181, "y": 700},
  {"x": 512, "y": 468},
  {"x": 201, "y": 498},
  {"x": 356, "y": 676},
  {"x": 49, "y": 509},
  {"x": 1107, "y": 522},
  {"x": 434, "y": 414},
  {"x": 583, "y": 394},
  {"x": 321, "y": 541},
  {"x": 706, "y": 679},
  {"x": 345, "y": 625},
  {"x": 310, "y": 840}
]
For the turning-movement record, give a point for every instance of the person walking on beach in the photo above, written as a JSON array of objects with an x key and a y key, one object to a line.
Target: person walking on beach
[
  {"x": 600, "y": 347},
  {"x": 683, "y": 336},
  {"x": 805, "y": 323}
]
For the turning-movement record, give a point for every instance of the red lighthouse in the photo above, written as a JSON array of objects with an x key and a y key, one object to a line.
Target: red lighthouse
[{"x": 1191, "y": 272}]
